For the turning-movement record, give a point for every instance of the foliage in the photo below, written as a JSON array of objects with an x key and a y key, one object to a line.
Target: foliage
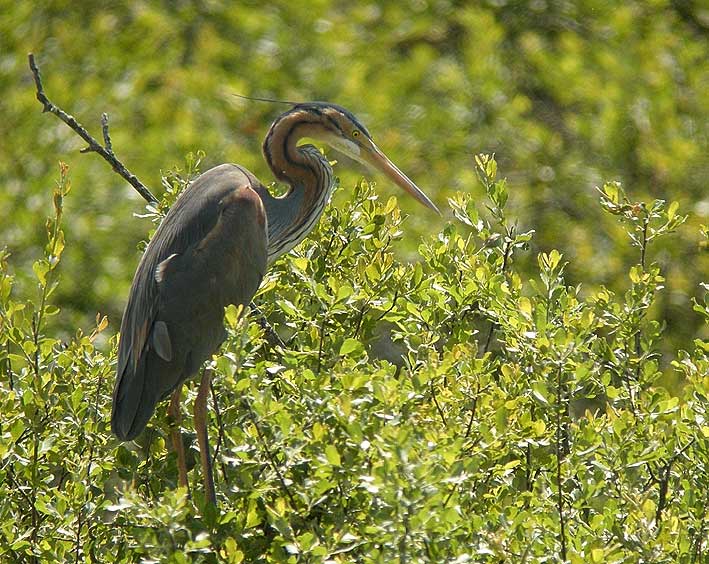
[{"x": 449, "y": 409}]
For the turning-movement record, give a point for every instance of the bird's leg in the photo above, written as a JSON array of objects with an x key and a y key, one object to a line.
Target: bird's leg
[
  {"x": 200, "y": 424},
  {"x": 175, "y": 418}
]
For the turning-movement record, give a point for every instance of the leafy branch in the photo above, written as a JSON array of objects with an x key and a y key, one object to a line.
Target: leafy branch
[
  {"x": 489, "y": 231},
  {"x": 644, "y": 223}
]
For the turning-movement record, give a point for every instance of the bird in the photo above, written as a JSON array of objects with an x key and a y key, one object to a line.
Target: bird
[{"x": 212, "y": 250}]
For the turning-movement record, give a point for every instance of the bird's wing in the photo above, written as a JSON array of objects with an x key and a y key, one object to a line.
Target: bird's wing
[{"x": 211, "y": 246}]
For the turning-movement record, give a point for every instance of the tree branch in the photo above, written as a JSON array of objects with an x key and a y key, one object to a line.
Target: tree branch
[{"x": 106, "y": 152}]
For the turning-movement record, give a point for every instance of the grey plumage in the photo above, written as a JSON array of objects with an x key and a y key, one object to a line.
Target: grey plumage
[{"x": 190, "y": 271}]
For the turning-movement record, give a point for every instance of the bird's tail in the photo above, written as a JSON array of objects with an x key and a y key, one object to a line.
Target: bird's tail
[{"x": 134, "y": 400}]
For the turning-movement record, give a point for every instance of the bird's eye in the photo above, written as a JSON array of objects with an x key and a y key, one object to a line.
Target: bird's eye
[{"x": 355, "y": 133}]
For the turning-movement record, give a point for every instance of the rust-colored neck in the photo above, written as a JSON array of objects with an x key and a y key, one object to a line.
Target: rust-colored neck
[{"x": 305, "y": 169}]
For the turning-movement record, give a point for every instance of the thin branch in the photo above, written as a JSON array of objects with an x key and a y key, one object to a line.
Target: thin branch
[
  {"x": 700, "y": 536},
  {"x": 560, "y": 492},
  {"x": 507, "y": 252},
  {"x": 438, "y": 406},
  {"x": 106, "y": 136},
  {"x": 664, "y": 480},
  {"x": 638, "y": 342},
  {"x": 93, "y": 146},
  {"x": 220, "y": 426},
  {"x": 360, "y": 317},
  {"x": 472, "y": 412},
  {"x": 322, "y": 338},
  {"x": 269, "y": 454},
  {"x": 16, "y": 486},
  {"x": 92, "y": 443},
  {"x": 272, "y": 337},
  {"x": 8, "y": 366},
  {"x": 388, "y": 310}
]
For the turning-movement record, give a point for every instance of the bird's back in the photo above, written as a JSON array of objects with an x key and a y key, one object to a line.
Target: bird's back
[{"x": 208, "y": 252}]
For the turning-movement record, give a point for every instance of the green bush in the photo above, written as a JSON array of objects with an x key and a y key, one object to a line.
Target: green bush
[{"x": 450, "y": 409}]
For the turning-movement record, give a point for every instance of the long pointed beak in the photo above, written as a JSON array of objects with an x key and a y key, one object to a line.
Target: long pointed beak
[{"x": 379, "y": 161}]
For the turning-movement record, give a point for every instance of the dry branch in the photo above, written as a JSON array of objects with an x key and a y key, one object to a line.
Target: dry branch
[{"x": 105, "y": 151}]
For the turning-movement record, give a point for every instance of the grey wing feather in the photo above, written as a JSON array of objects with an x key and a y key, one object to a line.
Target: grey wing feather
[
  {"x": 192, "y": 268},
  {"x": 161, "y": 340}
]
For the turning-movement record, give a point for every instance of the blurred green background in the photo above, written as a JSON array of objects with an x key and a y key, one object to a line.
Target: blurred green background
[{"x": 566, "y": 94}]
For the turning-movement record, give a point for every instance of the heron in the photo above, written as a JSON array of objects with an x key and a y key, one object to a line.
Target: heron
[{"x": 211, "y": 250}]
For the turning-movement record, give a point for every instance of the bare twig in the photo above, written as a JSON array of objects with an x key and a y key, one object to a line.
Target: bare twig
[
  {"x": 106, "y": 152},
  {"x": 106, "y": 136}
]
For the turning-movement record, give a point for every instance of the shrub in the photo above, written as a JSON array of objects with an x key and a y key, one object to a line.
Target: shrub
[{"x": 369, "y": 410}]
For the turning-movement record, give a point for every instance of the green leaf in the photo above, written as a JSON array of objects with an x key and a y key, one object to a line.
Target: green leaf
[
  {"x": 332, "y": 455},
  {"x": 539, "y": 391},
  {"x": 232, "y": 314},
  {"x": 349, "y": 346},
  {"x": 41, "y": 268},
  {"x": 288, "y": 308}
]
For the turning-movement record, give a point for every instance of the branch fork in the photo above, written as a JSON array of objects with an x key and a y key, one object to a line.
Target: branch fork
[{"x": 105, "y": 150}]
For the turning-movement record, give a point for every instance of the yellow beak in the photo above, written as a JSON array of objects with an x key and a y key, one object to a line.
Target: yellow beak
[{"x": 378, "y": 160}]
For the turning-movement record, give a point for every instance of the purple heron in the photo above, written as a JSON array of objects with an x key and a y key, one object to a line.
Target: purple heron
[{"x": 211, "y": 250}]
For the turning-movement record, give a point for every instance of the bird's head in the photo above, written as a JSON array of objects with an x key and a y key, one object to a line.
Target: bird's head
[{"x": 342, "y": 131}]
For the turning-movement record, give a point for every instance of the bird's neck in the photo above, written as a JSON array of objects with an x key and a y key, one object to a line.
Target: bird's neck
[{"x": 308, "y": 173}]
